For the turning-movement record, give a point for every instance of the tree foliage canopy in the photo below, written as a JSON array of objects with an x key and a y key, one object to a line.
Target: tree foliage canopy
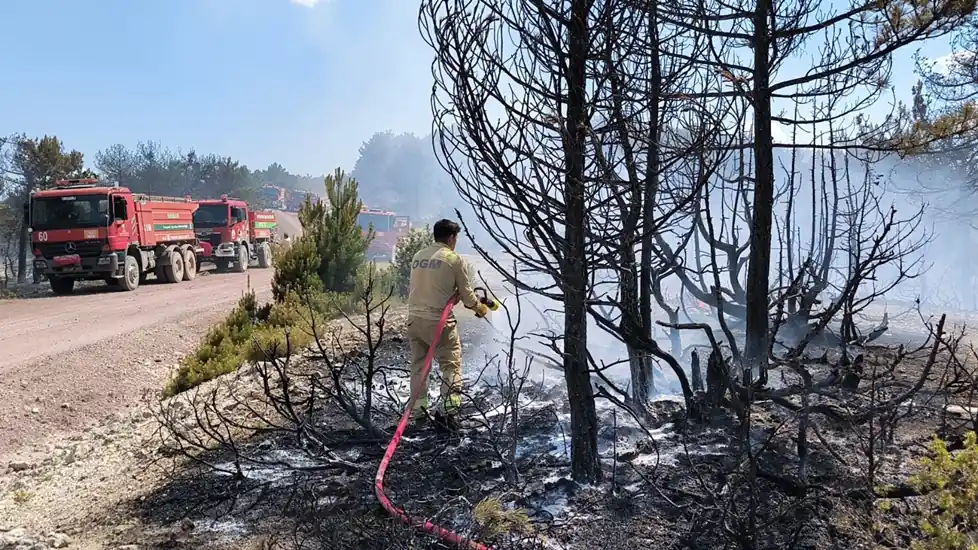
[
  {"x": 41, "y": 161},
  {"x": 333, "y": 225}
]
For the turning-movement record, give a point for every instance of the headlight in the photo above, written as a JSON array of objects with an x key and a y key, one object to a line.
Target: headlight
[{"x": 40, "y": 264}]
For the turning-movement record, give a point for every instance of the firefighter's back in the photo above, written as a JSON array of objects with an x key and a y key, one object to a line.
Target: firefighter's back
[{"x": 432, "y": 281}]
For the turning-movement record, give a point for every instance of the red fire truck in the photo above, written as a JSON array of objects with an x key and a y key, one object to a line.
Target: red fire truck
[
  {"x": 294, "y": 199},
  {"x": 81, "y": 230},
  {"x": 388, "y": 229},
  {"x": 231, "y": 233},
  {"x": 273, "y": 196}
]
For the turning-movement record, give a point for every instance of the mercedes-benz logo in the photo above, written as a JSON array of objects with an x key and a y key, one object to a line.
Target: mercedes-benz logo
[{"x": 70, "y": 248}]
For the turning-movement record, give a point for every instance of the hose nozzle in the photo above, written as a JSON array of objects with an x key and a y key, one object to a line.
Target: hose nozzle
[{"x": 484, "y": 299}]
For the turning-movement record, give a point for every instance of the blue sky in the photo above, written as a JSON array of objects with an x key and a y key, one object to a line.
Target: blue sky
[
  {"x": 260, "y": 80},
  {"x": 303, "y": 83}
]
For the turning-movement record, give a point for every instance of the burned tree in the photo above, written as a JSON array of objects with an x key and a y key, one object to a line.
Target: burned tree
[
  {"x": 849, "y": 73},
  {"x": 527, "y": 174},
  {"x": 645, "y": 132}
]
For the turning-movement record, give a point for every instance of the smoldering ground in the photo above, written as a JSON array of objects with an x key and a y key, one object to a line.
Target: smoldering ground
[{"x": 249, "y": 476}]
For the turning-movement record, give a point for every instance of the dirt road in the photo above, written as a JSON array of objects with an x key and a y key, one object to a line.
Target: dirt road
[
  {"x": 69, "y": 360},
  {"x": 35, "y": 328}
]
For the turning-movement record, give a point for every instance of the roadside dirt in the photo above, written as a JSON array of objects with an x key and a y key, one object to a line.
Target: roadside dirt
[{"x": 70, "y": 360}]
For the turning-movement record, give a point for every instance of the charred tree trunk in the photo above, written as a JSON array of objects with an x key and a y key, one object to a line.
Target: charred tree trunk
[
  {"x": 641, "y": 376},
  {"x": 696, "y": 372},
  {"x": 716, "y": 380},
  {"x": 759, "y": 271},
  {"x": 22, "y": 247},
  {"x": 585, "y": 466},
  {"x": 651, "y": 192}
]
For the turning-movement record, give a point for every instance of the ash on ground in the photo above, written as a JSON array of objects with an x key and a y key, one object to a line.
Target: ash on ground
[{"x": 504, "y": 480}]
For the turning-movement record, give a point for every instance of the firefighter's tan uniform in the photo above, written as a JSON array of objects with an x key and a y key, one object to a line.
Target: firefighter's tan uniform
[{"x": 437, "y": 273}]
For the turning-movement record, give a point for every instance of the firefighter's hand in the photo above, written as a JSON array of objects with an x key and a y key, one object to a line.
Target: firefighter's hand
[
  {"x": 481, "y": 310},
  {"x": 488, "y": 302}
]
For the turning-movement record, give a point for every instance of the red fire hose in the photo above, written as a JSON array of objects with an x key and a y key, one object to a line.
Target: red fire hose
[{"x": 440, "y": 532}]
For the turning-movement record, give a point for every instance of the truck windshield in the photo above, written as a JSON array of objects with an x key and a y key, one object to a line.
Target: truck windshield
[
  {"x": 211, "y": 215},
  {"x": 381, "y": 222},
  {"x": 69, "y": 212}
]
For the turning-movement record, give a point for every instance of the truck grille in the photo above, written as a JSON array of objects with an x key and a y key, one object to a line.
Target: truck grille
[
  {"x": 214, "y": 239},
  {"x": 85, "y": 249}
]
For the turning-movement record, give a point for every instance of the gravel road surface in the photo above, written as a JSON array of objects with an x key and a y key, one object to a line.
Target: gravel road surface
[{"x": 68, "y": 361}]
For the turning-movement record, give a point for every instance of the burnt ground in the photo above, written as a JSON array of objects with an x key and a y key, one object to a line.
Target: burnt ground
[
  {"x": 123, "y": 483},
  {"x": 665, "y": 485}
]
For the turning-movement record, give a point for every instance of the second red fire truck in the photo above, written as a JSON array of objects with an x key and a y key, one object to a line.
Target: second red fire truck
[{"x": 232, "y": 235}]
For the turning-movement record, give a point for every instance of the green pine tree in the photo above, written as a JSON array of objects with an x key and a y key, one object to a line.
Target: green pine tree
[{"x": 332, "y": 224}]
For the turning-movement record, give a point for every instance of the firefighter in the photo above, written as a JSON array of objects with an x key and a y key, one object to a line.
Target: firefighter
[{"x": 437, "y": 275}]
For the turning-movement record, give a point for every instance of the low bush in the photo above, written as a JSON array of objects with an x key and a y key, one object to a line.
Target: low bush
[
  {"x": 250, "y": 332},
  {"x": 273, "y": 342},
  {"x": 254, "y": 332},
  {"x": 382, "y": 280},
  {"x": 950, "y": 506},
  {"x": 221, "y": 351},
  {"x": 296, "y": 268}
]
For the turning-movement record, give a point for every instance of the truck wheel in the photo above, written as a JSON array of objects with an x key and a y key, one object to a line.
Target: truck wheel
[
  {"x": 160, "y": 273},
  {"x": 241, "y": 264},
  {"x": 131, "y": 275},
  {"x": 62, "y": 285},
  {"x": 189, "y": 264},
  {"x": 264, "y": 256},
  {"x": 174, "y": 269}
]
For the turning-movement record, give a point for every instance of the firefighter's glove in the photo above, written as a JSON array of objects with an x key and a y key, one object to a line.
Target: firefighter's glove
[
  {"x": 481, "y": 310},
  {"x": 489, "y": 303}
]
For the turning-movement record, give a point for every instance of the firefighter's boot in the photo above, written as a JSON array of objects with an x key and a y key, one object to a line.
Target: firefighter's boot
[{"x": 446, "y": 423}]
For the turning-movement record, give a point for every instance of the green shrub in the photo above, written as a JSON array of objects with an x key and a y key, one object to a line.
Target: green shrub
[
  {"x": 276, "y": 342},
  {"x": 251, "y": 332},
  {"x": 221, "y": 350},
  {"x": 407, "y": 246},
  {"x": 303, "y": 310},
  {"x": 257, "y": 332},
  {"x": 296, "y": 269},
  {"x": 384, "y": 280},
  {"x": 950, "y": 508}
]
